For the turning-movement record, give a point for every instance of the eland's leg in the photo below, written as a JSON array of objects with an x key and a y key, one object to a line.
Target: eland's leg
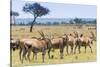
[
  {"x": 61, "y": 53},
  {"x": 43, "y": 54},
  {"x": 29, "y": 53},
  {"x": 20, "y": 52},
  {"x": 79, "y": 49},
  {"x": 24, "y": 54},
  {"x": 90, "y": 49},
  {"x": 75, "y": 49},
  {"x": 67, "y": 49},
  {"x": 49, "y": 52},
  {"x": 85, "y": 49},
  {"x": 35, "y": 56},
  {"x": 71, "y": 50}
]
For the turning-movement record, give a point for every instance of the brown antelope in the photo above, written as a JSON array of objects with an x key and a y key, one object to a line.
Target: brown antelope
[
  {"x": 77, "y": 44},
  {"x": 58, "y": 43},
  {"x": 71, "y": 43},
  {"x": 36, "y": 45},
  {"x": 14, "y": 44},
  {"x": 83, "y": 41},
  {"x": 93, "y": 37},
  {"x": 24, "y": 48}
]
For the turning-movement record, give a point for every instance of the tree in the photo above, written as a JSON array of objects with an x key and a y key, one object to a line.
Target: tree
[
  {"x": 36, "y": 10},
  {"x": 77, "y": 20},
  {"x": 14, "y": 14},
  {"x": 71, "y": 21},
  {"x": 48, "y": 23},
  {"x": 94, "y": 21},
  {"x": 63, "y": 22},
  {"x": 56, "y": 23}
]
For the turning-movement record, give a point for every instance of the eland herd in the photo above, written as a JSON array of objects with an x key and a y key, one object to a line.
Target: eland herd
[{"x": 43, "y": 44}]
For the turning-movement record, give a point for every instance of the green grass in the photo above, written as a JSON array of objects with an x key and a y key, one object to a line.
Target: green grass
[
  {"x": 56, "y": 31},
  {"x": 83, "y": 57}
]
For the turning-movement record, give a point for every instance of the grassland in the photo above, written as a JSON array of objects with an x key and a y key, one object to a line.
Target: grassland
[{"x": 18, "y": 32}]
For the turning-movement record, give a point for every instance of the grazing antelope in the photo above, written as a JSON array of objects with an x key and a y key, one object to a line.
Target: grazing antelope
[
  {"x": 36, "y": 45},
  {"x": 58, "y": 43}
]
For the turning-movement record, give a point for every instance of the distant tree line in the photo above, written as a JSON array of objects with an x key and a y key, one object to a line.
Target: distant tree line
[{"x": 72, "y": 21}]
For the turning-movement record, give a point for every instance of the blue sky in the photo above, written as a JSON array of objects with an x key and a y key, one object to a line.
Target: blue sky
[{"x": 58, "y": 10}]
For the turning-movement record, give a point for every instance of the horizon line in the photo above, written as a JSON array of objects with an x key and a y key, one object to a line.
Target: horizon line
[{"x": 57, "y": 18}]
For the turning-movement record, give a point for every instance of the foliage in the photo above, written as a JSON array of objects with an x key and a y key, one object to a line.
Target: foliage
[
  {"x": 77, "y": 20},
  {"x": 71, "y": 21},
  {"x": 36, "y": 10},
  {"x": 13, "y": 13}
]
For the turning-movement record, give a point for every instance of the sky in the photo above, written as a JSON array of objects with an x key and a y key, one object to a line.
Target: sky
[{"x": 57, "y": 10}]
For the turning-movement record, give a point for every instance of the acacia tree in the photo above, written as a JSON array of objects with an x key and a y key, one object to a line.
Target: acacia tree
[
  {"x": 71, "y": 21},
  {"x": 36, "y": 10},
  {"x": 14, "y": 14},
  {"x": 78, "y": 21}
]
